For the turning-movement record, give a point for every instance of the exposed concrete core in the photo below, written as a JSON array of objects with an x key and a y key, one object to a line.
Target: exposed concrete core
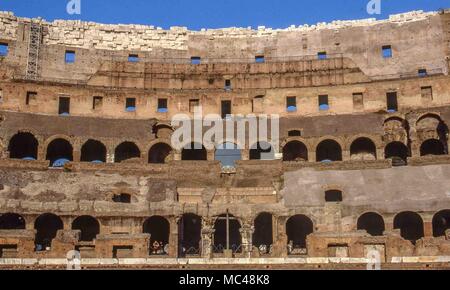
[{"x": 87, "y": 163}]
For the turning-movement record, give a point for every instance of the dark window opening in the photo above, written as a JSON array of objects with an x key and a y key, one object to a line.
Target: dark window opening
[
  {"x": 225, "y": 109},
  {"x": 295, "y": 151},
  {"x": 196, "y": 60},
  {"x": 162, "y": 106},
  {"x": 93, "y": 151},
  {"x": 392, "y": 103},
  {"x": 30, "y": 98},
  {"x": 298, "y": 228},
  {"x": 23, "y": 146},
  {"x": 46, "y": 226},
  {"x": 4, "y": 49},
  {"x": 387, "y": 51},
  {"x": 126, "y": 151},
  {"x": 363, "y": 149},
  {"x": 12, "y": 221},
  {"x": 410, "y": 225},
  {"x": 159, "y": 153},
  {"x": 322, "y": 55},
  {"x": 358, "y": 101},
  {"x": 97, "y": 103},
  {"x": 194, "y": 103},
  {"x": 70, "y": 56},
  {"x": 190, "y": 228},
  {"x": 372, "y": 223},
  {"x": 194, "y": 151},
  {"x": 328, "y": 151},
  {"x": 130, "y": 104},
  {"x": 422, "y": 72},
  {"x": 59, "y": 152},
  {"x": 291, "y": 104},
  {"x": 263, "y": 234},
  {"x": 295, "y": 133},
  {"x": 122, "y": 251},
  {"x": 159, "y": 229},
  {"x": 227, "y": 85},
  {"x": 8, "y": 249},
  {"x": 122, "y": 198},
  {"x": 333, "y": 196},
  {"x": 228, "y": 154},
  {"x": 398, "y": 152},
  {"x": 64, "y": 106},
  {"x": 262, "y": 151},
  {"x": 260, "y": 59},
  {"x": 133, "y": 58},
  {"x": 323, "y": 103},
  {"x": 441, "y": 223},
  {"x": 427, "y": 93},
  {"x": 220, "y": 234},
  {"x": 432, "y": 147},
  {"x": 89, "y": 227}
]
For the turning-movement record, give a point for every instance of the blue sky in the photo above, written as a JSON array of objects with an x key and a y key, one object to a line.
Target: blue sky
[{"x": 197, "y": 14}]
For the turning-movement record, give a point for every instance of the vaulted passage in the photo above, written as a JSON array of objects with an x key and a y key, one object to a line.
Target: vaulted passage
[
  {"x": 371, "y": 222},
  {"x": 363, "y": 149},
  {"x": 220, "y": 234},
  {"x": 194, "y": 151},
  {"x": 59, "y": 152},
  {"x": 328, "y": 151},
  {"x": 89, "y": 227},
  {"x": 159, "y": 153},
  {"x": 410, "y": 225},
  {"x": 93, "y": 151},
  {"x": 46, "y": 226},
  {"x": 441, "y": 223},
  {"x": 295, "y": 151},
  {"x": 126, "y": 151},
  {"x": 12, "y": 221},
  {"x": 298, "y": 228},
  {"x": 159, "y": 229},
  {"x": 262, "y": 151},
  {"x": 398, "y": 152},
  {"x": 432, "y": 147},
  {"x": 228, "y": 154},
  {"x": 23, "y": 146},
  {"x": 263, "y": 234},
  {"x": 190, "y": 234}
]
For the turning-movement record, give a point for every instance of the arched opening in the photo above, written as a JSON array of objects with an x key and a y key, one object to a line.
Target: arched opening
[
  {"x": 59, "y": 152},
  {"x": 441, "y": 223},
  {"x": 46, "y": 226},
  {"x": 126, "y": 151},
  {"x": 262, "y": 151},
  {"x": 89, "y": 227},
  {"x": 190, "y": 228},
  {"x": 263, "y": 234},
  {"x": 194, "y": 151},
  {"x": 159, "y": 153},
  {"x": 295, "y": 151},
  {"x": 228, "y": 154},
  {"x": 398, "y": 152},
  {"x": 220, "y": 234},
  {"x": 410, "y": 225},
  {"x": 363, "y": 149},
  {"x": 159, "y": 229},
  {"x": 23, "y": 146},
  {"x": 432, "y": 147},
  {"x": 328, "y": 151},
  {"x": 12, "y": 221},
  {"x": 372, "y": 223},
  {"x": 93, "y": 151},
  {"x": 298, "y": 228}
]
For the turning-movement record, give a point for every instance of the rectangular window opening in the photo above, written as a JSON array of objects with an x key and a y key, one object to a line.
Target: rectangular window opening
[
  {"x": 4, "y": 49},
  {"x": 322, "y": 55},
  {"x": 162, "y": 106},
  {"x": 196, "y": 60},
  {"x": 226, "y": 109},
  {"x": 64, "y": 106},
  {"x": 427, "y": 93},
  {"x": 133, "y": 58},
  {"x": 291, "y": 104},
  {"x": 70, "y": 56},
  {"x": 323, "y": 103},
  {"x": 260, "y": 59},
  {"x": 97, "y": 103},
  {"x": 130, "y": 104},
  {"x": 387, "y": 51},
  {"x": 392, "y": 103},
  {"x": 422, "y": 72},
  {"x": 193, "y": 104},
  {"x": 31, "y": 97},
  {"x": 358, "y": 101},
  {"x": 227, "y": 85}
]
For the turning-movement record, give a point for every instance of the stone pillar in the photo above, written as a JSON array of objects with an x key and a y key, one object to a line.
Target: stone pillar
[
  {"x": 312, "y": 156},
  {"x": 207, "y": 237},
  {"x": 247, "y": 231},
  {"x": 346, "y": 155},
  {"x": 210, "y": 155},
  {"x": 245, "y": 154},
  {"x": 173, "y": 237},
  {"x": 279, "y": 248},
  {"x": 76, "y": 156},
  {"x": 380, "y": 154}
]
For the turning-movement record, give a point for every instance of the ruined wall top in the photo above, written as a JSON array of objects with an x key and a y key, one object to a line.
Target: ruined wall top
[{"x": 118, "y": 37}]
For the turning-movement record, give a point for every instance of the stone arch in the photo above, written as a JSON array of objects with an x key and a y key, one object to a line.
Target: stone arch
[
  {"x": 295, "y": 151},
  {"x": 363, "y": 148},
  {"x": 12, "y": 221},
  {"x": 23, "y": 145},
  {"x": 410, "y": 225},
  {"x": 159, "y": 229},
  {"x": 398, "y": 152},
  {"x": 441, "y": 223},
  {"x": 263, "y": 234},
  {"x": 93, "y": 151},
  {"x": 228, "y": 153},
  {"x": 126, "y": 151},
  {"x": 431, "y": 126},
  {"x": 298, "y": 227},
  {"x": 220, "y": 241},
  {"x": 432, "y": 147},
  {"x": 328, "y": 150},
  {"x": 46, "y": 225},
  {"x": 190, "y": 227},
  {"x": 159, "y": 153},
  {"x": 194, "y": 151},
  {"x": 262, "y": 150},
  {"x": 59, "y": 152},
  {"x": 89, "y": 227},
  {"x": 372, "y": 223}
]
